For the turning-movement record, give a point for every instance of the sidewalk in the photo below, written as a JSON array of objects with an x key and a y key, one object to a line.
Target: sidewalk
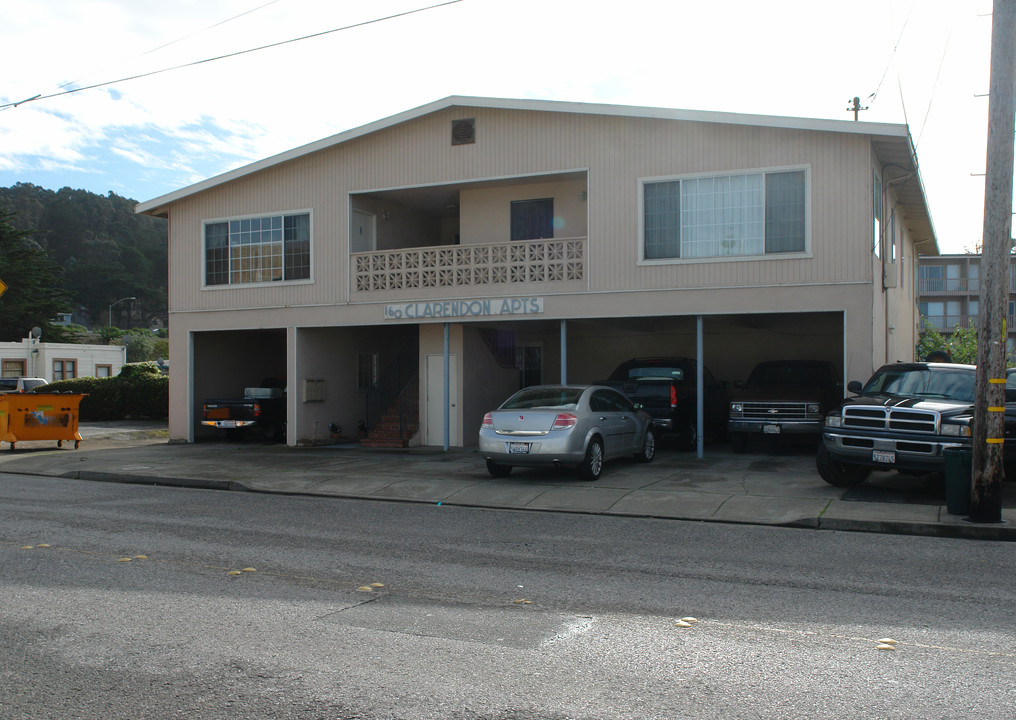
[{"x": 779, "y": 488}]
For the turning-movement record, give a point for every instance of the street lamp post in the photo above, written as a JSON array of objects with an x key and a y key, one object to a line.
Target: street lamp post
[{"x": 117, "y": 303}]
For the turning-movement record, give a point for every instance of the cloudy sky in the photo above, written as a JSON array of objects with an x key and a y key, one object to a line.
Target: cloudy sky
[{"x": 922, "y": 62}]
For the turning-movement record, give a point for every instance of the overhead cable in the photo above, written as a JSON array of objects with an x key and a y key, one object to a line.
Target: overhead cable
[{"x": 36, "y": 98}]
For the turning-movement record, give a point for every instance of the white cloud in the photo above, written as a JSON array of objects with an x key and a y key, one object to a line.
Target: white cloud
[{"x": 789, "y": 57}]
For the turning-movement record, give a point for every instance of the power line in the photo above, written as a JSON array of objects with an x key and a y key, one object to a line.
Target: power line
[
  {"x": 181, "y": 39},
  {"x": 229, "y": 55},
  {"x": 938, "y": 74},
  {"x": 893, "y": 54}
]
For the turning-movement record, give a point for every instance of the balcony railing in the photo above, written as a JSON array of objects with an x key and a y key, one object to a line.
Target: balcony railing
[
  {"x": 461, "y": 266},
  {"x": 943, "y": 285},
  {"x": 970, "y": 286},
  {"x": 949, "y": 323}
]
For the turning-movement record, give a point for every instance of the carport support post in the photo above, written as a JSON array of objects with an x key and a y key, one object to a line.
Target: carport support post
[
  {"x": 699, "y": 389},
  {"x": 564, "y": 352},
  {"x": 447, "y": 389}
]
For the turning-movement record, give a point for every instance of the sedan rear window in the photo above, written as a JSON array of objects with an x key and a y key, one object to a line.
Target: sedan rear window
[{"x": 555, "y": 397}]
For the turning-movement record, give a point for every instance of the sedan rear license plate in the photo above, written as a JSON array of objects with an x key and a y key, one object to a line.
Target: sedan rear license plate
[
  {"x": 517, "y": 448},
  {"x": 883, "y": 456},
  {"x": 771, "y": 429}
]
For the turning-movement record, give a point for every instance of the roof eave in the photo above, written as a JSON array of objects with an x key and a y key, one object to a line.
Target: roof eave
[{"x": 161, "y": 203}]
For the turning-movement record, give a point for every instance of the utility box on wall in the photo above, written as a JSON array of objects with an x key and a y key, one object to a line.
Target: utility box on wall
[{"x": 313, "y": 390}]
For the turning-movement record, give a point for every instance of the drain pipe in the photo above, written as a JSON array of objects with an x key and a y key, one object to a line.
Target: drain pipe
[
  {"x": 564, "y": 352},
  {"x": 699, "y": 390},
  {"x": 447, "y": 389}
]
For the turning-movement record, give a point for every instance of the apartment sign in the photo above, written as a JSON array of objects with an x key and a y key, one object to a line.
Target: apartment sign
[{"x": 464, "y": 308}]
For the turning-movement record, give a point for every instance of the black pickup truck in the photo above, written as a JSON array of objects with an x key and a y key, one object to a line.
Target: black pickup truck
[
  {"x": 261, "y": 408},
  {"x": 666, "y": 388},
  {"x": 902, "y": 419}
]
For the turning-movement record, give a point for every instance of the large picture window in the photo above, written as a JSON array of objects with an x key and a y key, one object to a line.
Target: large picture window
[
  {"x": 747, "y": 214},
  {"x": 257, "y": 250}
]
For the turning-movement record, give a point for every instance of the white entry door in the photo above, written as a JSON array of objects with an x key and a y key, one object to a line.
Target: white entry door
[
  {"x": 434, "y": 399},
  {"x": 361, "y": 232}
]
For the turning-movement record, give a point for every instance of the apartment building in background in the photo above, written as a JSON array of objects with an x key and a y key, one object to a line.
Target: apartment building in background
[{"x": 949, "y": 291}]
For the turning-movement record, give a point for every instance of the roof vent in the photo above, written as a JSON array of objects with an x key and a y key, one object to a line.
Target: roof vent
[{"x": 464, "y": 132}]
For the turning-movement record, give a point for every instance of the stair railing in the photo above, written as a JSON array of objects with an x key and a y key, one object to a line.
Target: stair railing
[{"x": 391, "y": 390}]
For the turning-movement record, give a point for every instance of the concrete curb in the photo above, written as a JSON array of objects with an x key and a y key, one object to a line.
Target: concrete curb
[{"x": 960, "y": 529}]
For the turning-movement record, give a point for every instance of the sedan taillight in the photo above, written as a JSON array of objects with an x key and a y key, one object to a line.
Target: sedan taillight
[
  {"x": 564, "y": 421},
  {"x": 488, "y": 422}
]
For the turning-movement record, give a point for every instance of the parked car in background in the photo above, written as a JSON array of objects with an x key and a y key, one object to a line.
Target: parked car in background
[
  {"x": 902, "y": 419},
  {"x": 783, "y": 397},
  {"x": 666, "y": 388},
  {"x": 261, "y": 409},
  {"x": 20, "y": 384},
  {"x": 572, "y": 426}
]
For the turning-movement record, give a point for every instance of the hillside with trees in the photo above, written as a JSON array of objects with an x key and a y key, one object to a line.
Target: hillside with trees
[{"x": 75, "y": 251}]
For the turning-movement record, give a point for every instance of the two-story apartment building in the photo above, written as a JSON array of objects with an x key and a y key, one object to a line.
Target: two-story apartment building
[
  {"x": 460, "y": 250},
  {"x": 949, "y": 291}
]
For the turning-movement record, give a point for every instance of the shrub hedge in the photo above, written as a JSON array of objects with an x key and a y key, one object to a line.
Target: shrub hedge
[{"x": 139, "y": 391}]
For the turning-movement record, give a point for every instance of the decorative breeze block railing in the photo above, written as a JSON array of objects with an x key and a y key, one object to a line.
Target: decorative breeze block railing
[{"x": 463, "y": 265}]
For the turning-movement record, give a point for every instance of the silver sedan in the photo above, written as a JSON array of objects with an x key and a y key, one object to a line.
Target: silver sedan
[{"x": 577, "y": 426}]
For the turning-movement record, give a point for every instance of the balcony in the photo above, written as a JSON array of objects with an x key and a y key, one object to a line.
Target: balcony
[
  {"x": 936, "y": 286},
  {"x": 522, "y": 266},
  {"x": 949, "y": 323}
]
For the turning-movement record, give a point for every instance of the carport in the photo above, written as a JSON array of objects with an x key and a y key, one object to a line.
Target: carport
[{"x": 587, "y": 350}]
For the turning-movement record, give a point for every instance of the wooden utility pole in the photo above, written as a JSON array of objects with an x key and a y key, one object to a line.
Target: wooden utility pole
[{"x": 989, "y": 412}]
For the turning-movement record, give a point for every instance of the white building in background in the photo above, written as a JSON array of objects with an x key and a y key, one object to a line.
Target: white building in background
[{"x": 60, "y": 361}]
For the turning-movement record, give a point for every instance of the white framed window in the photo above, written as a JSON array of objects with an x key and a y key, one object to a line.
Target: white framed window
[
  {"x": 262, "y": 249},
  {"x": 736, "y": 215}
]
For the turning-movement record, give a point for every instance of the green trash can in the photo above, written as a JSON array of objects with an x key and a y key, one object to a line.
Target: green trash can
[{"x": 959, "y": 463}]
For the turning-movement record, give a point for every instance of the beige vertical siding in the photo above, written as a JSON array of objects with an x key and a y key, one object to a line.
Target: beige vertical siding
[{"x": 616, "y": 152}]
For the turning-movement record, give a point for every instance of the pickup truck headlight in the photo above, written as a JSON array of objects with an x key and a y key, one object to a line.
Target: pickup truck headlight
[
  {"x": 832, "y": 421},
  {"x": 812, "y": 409},
  {"x": 956, "y": 430},
  {"x": 736, "y": 407}
]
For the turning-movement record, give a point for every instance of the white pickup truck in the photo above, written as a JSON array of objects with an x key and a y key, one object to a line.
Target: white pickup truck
[{"x": 20, "y": 384}]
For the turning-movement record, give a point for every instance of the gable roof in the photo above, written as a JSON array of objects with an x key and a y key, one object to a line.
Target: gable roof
[{"x": 892, "y": 143}]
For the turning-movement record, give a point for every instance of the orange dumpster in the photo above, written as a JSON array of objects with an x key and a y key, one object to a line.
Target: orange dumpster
[{"x": 40, "y": 416}]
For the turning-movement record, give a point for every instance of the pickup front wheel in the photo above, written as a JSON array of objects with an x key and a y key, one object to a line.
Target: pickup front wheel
[{"x": 837, "y": 473}]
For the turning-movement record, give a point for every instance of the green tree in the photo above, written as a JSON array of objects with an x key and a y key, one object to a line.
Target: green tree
[
  {"x": 930, "y": 340},
  {"x": 106, "y": 250},
  {"x": 961, "y": 345},
  {"x": 35, "y": 291}
]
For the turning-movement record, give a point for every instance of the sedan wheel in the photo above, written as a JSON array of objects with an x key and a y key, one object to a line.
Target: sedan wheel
[
  {"x": 497, "y": 470},
  {"x": 648, "y": 451},
  {"x": 592, "y": 466}
]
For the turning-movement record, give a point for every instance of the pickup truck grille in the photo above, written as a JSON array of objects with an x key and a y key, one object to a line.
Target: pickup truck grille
[
  {"x": 772, "y": 411},
  {"x": 877, "y": 418}
]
